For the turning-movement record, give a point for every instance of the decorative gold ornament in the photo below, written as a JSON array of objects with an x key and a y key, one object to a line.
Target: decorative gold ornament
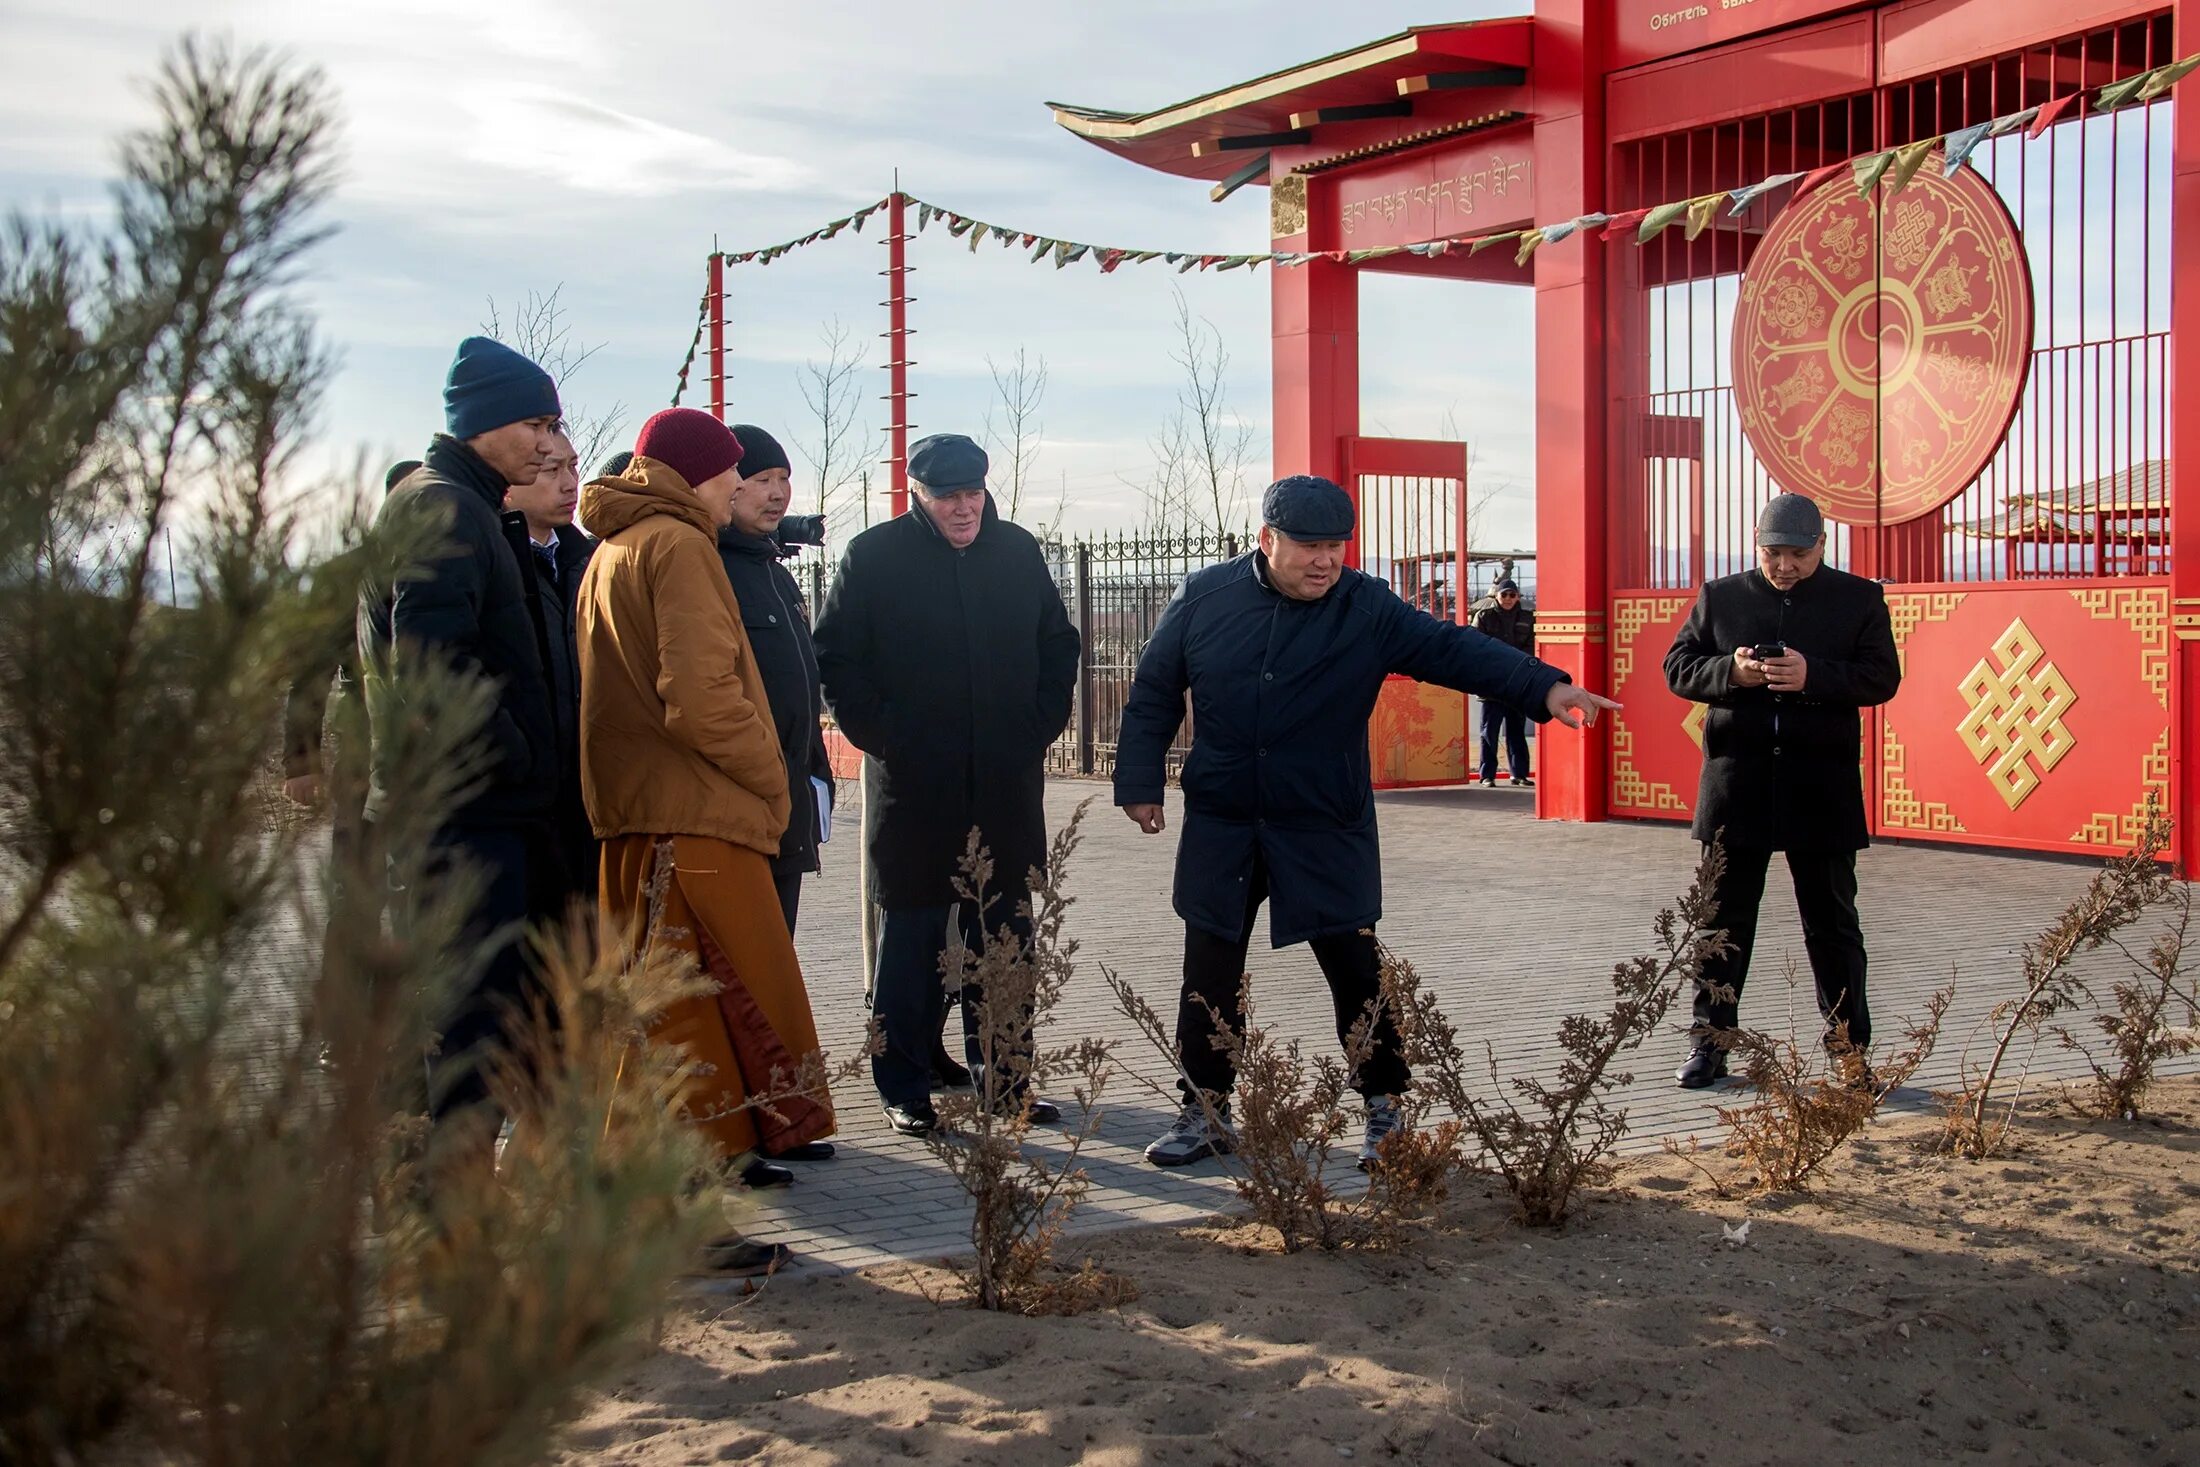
[
  {"x": 1899, "y": 805},
  {"x": 1630, "y": 614},
  {"x": 2015, "y": 723},
  {"x": 1287, "y": 206},
  {"x": 1692, "y": 725},
  {"x": 2121, "y": 832},
  {"x": 2146, "y": 611}
]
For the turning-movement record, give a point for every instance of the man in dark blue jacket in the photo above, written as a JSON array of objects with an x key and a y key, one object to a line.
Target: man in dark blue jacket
[
  {"x": 469, "y": 606},
  {"x": 786, "y": 659},
  {"x": 1284, "y": 652}
]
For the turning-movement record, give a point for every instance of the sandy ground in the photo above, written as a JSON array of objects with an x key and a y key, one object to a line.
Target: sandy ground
[{"x": 2042, "y": 1308}]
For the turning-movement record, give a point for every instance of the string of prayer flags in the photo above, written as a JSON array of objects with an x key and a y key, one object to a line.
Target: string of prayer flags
[
  {"x": 1908, "y": 159},
  {"x": 1744, "y": 197},
  {"x": 2165, "y": 77},
  {"x": 1660, "y": 219},
  {"x": 1961, "y": 145}
]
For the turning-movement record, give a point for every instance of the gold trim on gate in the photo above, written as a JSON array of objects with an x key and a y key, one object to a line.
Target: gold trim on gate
[
  {"x": 1630, "y": 614},
  {"x": 1287, "y": 206},
  {"x": 2014, "y": 726},
  {"x": 1900, "y": 808},
  {"x": 2146, "y": 611},
  {"x": 1908, "y": 612},
  {"x": 2122, "y": 831}
]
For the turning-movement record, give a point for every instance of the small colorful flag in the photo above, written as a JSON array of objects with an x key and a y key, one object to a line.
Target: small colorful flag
[
  {"x": 2055, "y": 112},
  {"x": 1658, "y": 220},
  {"x": 1961, "y": 145},
  {"x": 1744, "y": 197}
]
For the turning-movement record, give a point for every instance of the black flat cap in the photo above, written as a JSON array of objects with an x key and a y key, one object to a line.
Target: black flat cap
[
  {"x": 946, "y": 463},
  {"x": 1307, "y": 507},
  {"x": 1508, "y": 584},
  {"x": 1790, "y": 521}
]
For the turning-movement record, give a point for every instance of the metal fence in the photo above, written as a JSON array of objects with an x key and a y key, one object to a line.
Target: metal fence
[{"x": 1115, "y": 587}]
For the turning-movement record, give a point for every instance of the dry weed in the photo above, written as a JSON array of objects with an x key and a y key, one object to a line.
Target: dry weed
[
  {"x": 1021, "y": 1202},
  {"x": 1562, "y": 1137},
  {"x": 1289, "y": 1113},
  {"x": 1977, "y": 1116},
  {"x": 1812, "y": 1098},
  {"x": 2157, "y": 1017}
]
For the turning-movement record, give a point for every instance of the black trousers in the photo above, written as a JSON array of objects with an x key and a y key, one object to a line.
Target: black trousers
[
  {"x": 1514, "y": 723},
  {"x": 1833, "y": 938},
  {"x": 910, "y": 994},
  {"x": 789, "y": 885},
  {"x": 525, "y": 880},
  {"x": 1213, "y": 968}
]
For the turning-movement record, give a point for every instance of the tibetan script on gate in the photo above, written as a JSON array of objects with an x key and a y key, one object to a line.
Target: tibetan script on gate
[{"x": 1451, "y": 193}]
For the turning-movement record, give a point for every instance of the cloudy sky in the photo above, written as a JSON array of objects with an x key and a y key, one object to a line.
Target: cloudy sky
[{"x": 502, "y": 147}]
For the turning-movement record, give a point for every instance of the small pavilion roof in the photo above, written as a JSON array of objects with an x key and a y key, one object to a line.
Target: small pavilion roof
[{"x": 1216, "y": 135}]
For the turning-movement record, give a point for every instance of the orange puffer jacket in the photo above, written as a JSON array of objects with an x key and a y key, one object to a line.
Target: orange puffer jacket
[{"x": 676, "y": 733}]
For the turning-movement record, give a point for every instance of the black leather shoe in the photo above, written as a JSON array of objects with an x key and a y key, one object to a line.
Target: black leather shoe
[
  {"x": 1526, "y": 782},
  {"x": 736, "y": 1257},
  {"x": 762, "y": 1173},
  {"x": 1706, "y": 1066},
  {"x": 1043, "y": 1112},
  {"x": 808, "y": 1151},
  {"x": 918, "y": 1119},
  {"x": 948, "y": 1073}
]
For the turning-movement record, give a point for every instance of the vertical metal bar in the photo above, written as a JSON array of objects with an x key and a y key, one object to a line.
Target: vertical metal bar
[{"x": 1085, "y": 657}]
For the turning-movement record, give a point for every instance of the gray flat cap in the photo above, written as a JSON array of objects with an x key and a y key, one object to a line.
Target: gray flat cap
[
  {"x": 1307, "y": 507},
  {"x": 1790, "y": 521},
  {"x": 946, "y": 463}
]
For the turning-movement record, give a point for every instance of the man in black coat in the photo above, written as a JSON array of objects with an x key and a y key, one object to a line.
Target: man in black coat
[
  {"x": 469, "y": 606},
  {"x": 948, "y": 658},
  {"x": 786, "y": 660},
  {"x": 1786, "y": 656},
  {"x": 1509, "y": 622},
  {"x": 538, "y": 525},
  {"x": 1283, "y": 652}
]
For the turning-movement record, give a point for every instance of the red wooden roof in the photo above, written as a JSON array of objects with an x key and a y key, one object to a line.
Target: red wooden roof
[{"x": 1164, "y": 139}]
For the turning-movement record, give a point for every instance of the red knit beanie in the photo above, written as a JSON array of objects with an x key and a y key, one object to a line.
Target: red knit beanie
[{"x": 691, "y": 443}]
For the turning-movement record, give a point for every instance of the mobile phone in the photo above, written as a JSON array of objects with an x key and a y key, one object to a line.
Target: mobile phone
[{"x": 1766, "y": 651}]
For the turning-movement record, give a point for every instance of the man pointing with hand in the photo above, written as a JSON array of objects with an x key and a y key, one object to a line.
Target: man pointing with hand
[{"x": 1283, "y": 652}]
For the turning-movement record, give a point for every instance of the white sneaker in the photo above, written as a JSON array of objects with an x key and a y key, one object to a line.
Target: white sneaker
[
  {"x": 1384, "y": 1116},
  {"x": 1193, "y": 1137}
]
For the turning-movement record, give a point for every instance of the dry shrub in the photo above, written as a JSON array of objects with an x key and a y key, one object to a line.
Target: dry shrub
[
  {"x": 1562, "y": 1138},
  {"x": 2157, "y": 1011},
  {"x": 1812, "y": 1098},
  {"x": 1289, "y": 1115},
  {"x": 1020, "y": 1202},
  {"x": 1976, "y": 1114}
]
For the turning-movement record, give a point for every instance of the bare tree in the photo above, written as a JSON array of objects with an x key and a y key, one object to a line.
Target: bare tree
[
  {"x": 1013, "y": 427},
  {"x": 1213, "y": 444},
  {"x": 537, "y": 329},
  {"x": 832, "y": 389}
]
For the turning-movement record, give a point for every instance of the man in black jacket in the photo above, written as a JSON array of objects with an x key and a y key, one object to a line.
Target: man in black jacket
[
  {"x": 948, "y": 658},
  {"x": 1284, "y": 652},
  {"x": 786, "y": 660},
  {"x": 1786, "y": 656},
  {"x": 469, "y": 607},
  {"x": 1512, "y": 624},
  {"x": 538, "y": 524}
]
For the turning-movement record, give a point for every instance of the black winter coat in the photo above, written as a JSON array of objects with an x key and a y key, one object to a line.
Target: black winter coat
[
  {"x": 1515, "y": 628},
  {"x": 552, "y": 599},
  {"x": 786, "y": 660},
  {"x": 1780, "y": 770},
  {"x": 1281, "y": 694},
  {"x": 469, "y": 604},
  {"x": 952, "y": 671}
]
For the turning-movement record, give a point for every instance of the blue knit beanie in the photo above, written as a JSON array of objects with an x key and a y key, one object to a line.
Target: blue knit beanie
[{"x": 491, "y": 385}]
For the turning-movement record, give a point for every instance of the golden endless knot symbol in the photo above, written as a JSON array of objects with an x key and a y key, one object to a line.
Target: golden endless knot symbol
[{"x": 2015, "y": 718}]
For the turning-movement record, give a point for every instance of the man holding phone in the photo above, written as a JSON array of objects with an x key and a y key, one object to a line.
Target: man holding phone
[{"x": 1786, "y": 656}]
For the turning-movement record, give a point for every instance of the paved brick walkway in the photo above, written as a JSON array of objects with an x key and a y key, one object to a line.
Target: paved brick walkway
[{"x": 1513, "y": 922}]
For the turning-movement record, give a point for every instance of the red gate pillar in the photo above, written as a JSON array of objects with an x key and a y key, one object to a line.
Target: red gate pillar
[
  {"x": 1316, "y": 365},
  {"x": 1572, "y": 582},
  {"x": 2184, "y": 462}
]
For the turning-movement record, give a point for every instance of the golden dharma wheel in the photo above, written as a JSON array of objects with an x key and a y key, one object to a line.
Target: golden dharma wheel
[{"x": 1882, "y": 342}]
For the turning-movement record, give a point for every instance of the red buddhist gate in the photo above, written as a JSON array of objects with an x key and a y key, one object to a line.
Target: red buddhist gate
[{"x": 2041, "y": 596}]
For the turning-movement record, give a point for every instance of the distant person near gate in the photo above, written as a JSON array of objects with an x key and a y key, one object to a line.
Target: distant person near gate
[
  {"x": 1786, "y": 655},
  {"x": 1514, "y": 625},
  {"x": 1284, "y": 651}
]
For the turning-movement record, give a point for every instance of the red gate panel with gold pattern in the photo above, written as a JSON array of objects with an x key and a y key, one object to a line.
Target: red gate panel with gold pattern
[
  {"x": 1657, "y": 738},
  {"x": 2030, "y": 715}
]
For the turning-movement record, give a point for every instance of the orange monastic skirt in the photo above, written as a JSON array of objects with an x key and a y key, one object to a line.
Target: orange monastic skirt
[{"x": 720, "y": 904}]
